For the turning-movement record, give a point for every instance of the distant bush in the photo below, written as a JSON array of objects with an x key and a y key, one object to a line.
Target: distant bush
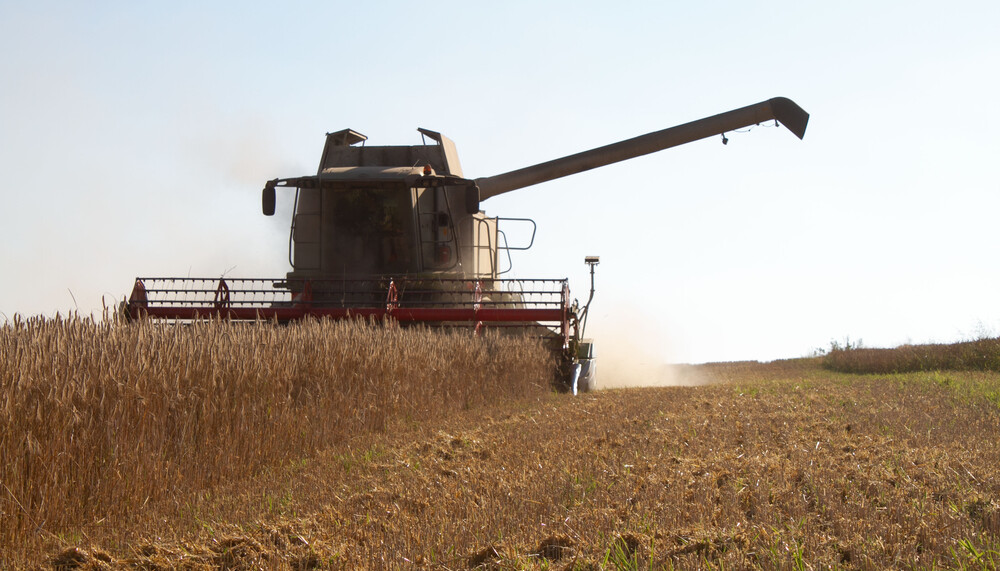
[{"x": 982, "y": 355}]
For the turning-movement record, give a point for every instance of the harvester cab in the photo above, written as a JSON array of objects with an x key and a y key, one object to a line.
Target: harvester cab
[
  {"x": 398, "y": 231},
  {"x": 388, "y": 210}
]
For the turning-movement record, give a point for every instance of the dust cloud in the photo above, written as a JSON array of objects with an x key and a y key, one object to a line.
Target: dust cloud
[{"x": 631, "y": 354}]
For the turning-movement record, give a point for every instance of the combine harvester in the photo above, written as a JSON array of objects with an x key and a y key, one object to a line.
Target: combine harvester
[{"x": 397, "y": 232}]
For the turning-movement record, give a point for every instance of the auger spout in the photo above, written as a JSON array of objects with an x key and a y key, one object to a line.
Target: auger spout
[{"x": 781, "y": 109}]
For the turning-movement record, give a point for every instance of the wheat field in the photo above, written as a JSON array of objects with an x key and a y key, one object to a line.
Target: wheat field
[
  {"x": 99, "y": 417},
  {"x": 350, "y": 446},
  {"x": 782, "y": 465}
]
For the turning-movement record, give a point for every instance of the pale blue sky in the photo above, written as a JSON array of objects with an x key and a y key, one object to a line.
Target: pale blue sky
[{"x": 135, "y": 138}]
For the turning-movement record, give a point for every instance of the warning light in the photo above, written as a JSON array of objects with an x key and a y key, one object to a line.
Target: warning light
[{"x": 443, "y": 254}]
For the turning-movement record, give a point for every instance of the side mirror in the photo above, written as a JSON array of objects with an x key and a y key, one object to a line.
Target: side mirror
[
  {"x": 267, "y": 200},
  {"x": 471, "y": 199}
]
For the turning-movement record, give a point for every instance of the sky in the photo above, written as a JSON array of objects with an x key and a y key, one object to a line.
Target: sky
[{"x": 135, "y": 138}]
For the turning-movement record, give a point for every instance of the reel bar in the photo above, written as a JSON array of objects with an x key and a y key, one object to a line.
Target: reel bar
[{"x": 405, "y": 299}]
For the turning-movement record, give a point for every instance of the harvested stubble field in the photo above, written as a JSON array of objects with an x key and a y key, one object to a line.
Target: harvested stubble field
[{"x": 778, "y": 465}]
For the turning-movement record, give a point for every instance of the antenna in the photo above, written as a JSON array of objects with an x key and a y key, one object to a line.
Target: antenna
[{"x": 590, "y": 261}]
